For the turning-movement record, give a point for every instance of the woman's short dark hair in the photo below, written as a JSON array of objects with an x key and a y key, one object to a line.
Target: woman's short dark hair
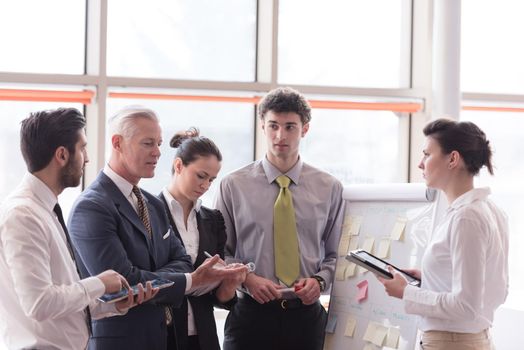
[
  {"x": 43, "y": 132},
  {"x": 190, "y": 145},
  {"x": 464, "y": 137},
  {"x": 285, "y": 100}
]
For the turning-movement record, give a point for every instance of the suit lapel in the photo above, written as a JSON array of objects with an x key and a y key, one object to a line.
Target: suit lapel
[
  {"x": 125, "y": 208},
  {"x": 204, "y": 224},
  {"x": 170, "y": 217}
]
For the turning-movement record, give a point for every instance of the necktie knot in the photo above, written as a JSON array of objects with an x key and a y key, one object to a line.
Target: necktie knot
[
  {"x": 143, "y": 214},
  {"x": 137, "y": 192},
  {"x": 58, "y": 211},
  {"x": 283, "y": 181}
]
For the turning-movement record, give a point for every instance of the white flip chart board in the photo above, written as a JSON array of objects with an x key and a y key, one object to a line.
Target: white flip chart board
[{"x": 394, "y": 222}]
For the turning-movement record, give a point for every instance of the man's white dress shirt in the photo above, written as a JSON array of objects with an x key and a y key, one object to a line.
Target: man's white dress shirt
[{"x": 42, "y": 298}]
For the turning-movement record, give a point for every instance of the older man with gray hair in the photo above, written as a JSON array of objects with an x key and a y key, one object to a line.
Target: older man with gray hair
[{"x": 117, "y": 225}]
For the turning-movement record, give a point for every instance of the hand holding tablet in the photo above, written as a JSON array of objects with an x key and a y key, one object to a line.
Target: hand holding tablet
[
  {"x": 122, "y": 294},
  {"x": 379, "y": 266}
]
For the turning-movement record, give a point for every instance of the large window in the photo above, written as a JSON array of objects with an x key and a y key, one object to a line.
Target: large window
[
  {"x": 491, "y": 54},
  {"x": 355, "y": 146},
  {"x": 42, "y": 36},
  {"x": 344, "y": 43},
  {"x": 201, "y": 40}
]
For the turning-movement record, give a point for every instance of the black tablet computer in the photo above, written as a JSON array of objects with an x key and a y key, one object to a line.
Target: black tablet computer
[
  {"x": 378, "y": 266},
  {"x": 117, "y": 296}
]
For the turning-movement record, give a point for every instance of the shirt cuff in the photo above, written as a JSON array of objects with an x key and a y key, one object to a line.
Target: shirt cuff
[
  {"x": 418, "y": 301},
  {"x": 410, "y": 293},
  {"x": 189, "y": 281},
  {"x": 93, "y": 286}
]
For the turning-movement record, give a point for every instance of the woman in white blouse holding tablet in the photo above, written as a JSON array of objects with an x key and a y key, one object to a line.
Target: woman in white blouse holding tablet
[{"x": 465, "y": 266}]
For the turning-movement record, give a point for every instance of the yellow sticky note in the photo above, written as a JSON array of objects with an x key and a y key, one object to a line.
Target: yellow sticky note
[
  {"x": 346, "y": 226},
  {"x": 350, "y": 270},
  {"x": 353, "y": 243},
  {"x": 328, "y": 340},
  {"x": 361, "y": 270},
  {"x": 350, "y": 327},
  {"x": 392, "y": 338},
  {"x": 398, "y": 229},
  {"x": 340, "y": 270},
  {"x": 343, "y": 246},
  {"x": 368, "y": 244},
  {"x": 352, "y": 225},
  {"x": 375, "y": 333},
  {"x": 370, "y": 331},
  {"x": 379, "y": 335},
  {"x": 383, "y": 248}
]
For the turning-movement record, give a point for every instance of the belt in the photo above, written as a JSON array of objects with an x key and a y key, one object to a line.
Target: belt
[{"x": 278, "y": 304}]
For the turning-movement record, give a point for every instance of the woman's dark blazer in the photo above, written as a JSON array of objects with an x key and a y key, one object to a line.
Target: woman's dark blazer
[{"x": 212, "y": 238}]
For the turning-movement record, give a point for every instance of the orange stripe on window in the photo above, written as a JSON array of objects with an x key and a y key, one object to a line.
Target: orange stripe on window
[
  {"x": 251, "y": 100},
  {"x": 407, "y": 107},
  {"x": 375, "y": 106},
  {"x": 83, "y": 97},
  {"x": 492, "y": 109}
]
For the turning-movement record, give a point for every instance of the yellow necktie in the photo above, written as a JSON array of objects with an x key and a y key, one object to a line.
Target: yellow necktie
[{"x": 287, "y": 264}]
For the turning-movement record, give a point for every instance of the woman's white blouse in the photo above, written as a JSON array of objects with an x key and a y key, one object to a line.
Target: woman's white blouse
[{"x": 464, "y": 268}]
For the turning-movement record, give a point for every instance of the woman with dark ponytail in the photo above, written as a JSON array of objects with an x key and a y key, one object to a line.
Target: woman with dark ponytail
[
  {"x": 195, "y": 167},
  {"x": 465, "y": 267}
]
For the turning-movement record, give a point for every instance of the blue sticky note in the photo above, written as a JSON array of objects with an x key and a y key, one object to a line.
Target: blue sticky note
[{"x": 331, "y": 323}]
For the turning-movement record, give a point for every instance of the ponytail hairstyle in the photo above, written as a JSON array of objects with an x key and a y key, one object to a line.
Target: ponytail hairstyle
[
  {"x": 464, "y": 137},
  {"x": 190, "y": 145}
]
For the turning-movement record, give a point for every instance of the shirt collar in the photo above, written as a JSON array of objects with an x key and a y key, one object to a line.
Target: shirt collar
[
  {"x": 172, "y": 202},
  {"x": 470, "y": 197},
  {"x": 123, "y": 185},
  {"x": 272, "y": 172},
  {"x": 41, "y": 191}
]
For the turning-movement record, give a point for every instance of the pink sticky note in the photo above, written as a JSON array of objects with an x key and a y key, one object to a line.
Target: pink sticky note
[{"x": 362, "y": 290}]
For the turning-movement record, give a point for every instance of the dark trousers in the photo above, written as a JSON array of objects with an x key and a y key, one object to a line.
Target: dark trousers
[
  {"x": 192, "y": 341},
  {"x": 275, "y": 326}
]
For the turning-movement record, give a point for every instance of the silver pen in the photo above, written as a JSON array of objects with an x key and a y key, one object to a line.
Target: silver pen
[{"x": 250, "y": 265}]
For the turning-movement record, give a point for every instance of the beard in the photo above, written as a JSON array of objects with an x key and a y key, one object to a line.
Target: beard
[{"x": 70, "y": 175}]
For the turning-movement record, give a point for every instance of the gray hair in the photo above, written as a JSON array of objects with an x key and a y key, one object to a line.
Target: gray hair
[{"x": 122, "y": 122}]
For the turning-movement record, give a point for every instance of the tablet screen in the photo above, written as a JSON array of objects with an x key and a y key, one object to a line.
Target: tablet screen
[
  {"x": 122, "y": 294},
  {"x": 381, "y": 266}
]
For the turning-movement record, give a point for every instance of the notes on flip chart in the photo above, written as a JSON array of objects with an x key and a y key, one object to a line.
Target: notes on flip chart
[
  {"x": 331, "y": 323},
  {"x": 392, "y": 338},
  {"x": 343, "y": 246},
  {"x": 375, "y": 333},
  {"x": 362, "y": 290},
  {"x": 383, "y": 248},
  {"x": 353, "y": 243},
  {"x": 398, "y": 229},
  {"x": 361, "y": 270},
  {"x": 350, "y": 327},
  {"x": 352, "y": 225},
  {"x": 368, "y": 244},
  {"x": 350, "y": 270},
  {"x": 340, "y": 270}
]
